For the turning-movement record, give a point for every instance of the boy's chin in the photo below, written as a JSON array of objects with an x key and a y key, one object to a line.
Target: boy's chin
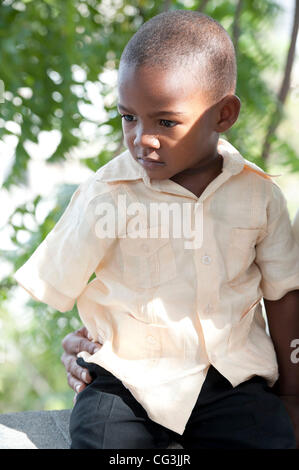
[{"x": 159, "y": 175}]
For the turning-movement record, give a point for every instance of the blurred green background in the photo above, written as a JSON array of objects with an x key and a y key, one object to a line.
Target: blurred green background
[{"x": 58, "y": 122}]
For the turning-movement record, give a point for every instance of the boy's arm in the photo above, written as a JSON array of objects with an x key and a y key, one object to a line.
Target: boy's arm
[{"x": 283, "y": 321}]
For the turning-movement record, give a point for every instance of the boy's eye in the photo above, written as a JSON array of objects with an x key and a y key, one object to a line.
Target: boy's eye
[
  {"x": 166, "y": 123},
  {"x": 163, "y": 122},
  {"x": 128, "y": 117}
]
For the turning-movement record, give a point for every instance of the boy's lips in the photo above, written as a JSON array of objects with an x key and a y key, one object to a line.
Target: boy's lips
[{"x": 149, "y": 163}]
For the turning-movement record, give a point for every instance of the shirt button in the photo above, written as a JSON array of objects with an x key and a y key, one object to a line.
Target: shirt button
[
  {"x": 206, "y": 259},
  {"x": 151, "y": 340}
]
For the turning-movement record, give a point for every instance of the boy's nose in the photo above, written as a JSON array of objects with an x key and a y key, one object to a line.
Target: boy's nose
[{"x": 146, "y": 140}]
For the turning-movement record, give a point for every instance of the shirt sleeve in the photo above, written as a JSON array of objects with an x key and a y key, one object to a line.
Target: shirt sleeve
[
  {"x": 277, "y": 254},
  {"x": 59, "y": 269}
]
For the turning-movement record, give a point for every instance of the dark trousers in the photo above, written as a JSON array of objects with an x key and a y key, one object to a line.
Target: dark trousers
[{"x": 249, "y": 416}]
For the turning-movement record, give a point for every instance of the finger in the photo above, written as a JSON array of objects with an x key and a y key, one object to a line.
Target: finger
[
  {"x": 86, "y": 345},
  {"x": 70, "y": 340},
  {"x": 76, "y": 385},
  {"x": 79, "y": 373},
  {"x": 74, "y": 343},
  {"x": 83, "y": 331},
  {"x": 89, "y": 336}
]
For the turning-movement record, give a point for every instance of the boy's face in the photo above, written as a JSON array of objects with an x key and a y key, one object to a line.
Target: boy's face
[{"x": 168, "y": 124}]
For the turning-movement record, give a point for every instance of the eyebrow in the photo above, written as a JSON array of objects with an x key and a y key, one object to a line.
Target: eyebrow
[{"x": 156, "y": 113}]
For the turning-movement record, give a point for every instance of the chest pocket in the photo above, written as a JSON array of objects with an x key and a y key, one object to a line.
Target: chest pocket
[
  {"x": 241, "y": 252},
  {"x": 147, "y": 262}
]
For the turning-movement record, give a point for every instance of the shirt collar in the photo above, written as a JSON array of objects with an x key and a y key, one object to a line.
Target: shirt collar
[
  {"x": 122, "y": 168},
  {"x": 125, "y": 168},
  {"x": 233, "y": 162}
]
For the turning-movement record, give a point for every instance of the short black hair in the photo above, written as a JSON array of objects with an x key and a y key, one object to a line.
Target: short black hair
[{"x": 191, "y": 39}]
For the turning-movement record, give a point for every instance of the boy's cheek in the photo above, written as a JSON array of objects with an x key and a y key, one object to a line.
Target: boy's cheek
[{"x": 128, "y": 141}]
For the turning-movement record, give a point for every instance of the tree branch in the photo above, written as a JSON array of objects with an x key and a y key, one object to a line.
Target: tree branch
[
  {"x": 166, "y": 5},
  {"x": 236, "y": 25},
  {"x": 202, "y": 5},
  {"x": 285, "y": 85}
]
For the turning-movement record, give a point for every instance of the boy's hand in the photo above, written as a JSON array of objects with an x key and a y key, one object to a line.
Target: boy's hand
[
  {"x": 292, "y": 405},
  {"x": 77, "y": 377}
]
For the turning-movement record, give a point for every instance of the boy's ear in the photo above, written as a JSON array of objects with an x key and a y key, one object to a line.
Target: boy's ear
[{"x": 228, "y": 110}]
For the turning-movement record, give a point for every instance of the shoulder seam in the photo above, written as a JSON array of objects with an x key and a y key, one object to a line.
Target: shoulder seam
[{"x": 260, "y": 173}]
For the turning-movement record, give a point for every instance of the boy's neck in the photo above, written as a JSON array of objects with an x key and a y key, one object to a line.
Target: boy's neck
[
  {"x": 197, "y": 179},
  {"x": 203, "y": 167}
]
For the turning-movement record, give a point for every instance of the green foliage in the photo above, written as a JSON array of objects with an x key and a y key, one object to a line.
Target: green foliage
[
  {"x": 44, "y": 42},
  {"x": 32, "y": 375},
  {"x": 42, "y": 45}
]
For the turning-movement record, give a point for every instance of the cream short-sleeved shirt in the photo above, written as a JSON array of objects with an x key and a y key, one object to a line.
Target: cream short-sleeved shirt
[{"x": 165, "y": 312}]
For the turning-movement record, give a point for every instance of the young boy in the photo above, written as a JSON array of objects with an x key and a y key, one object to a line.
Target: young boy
[{"x": 185, "y": 353}]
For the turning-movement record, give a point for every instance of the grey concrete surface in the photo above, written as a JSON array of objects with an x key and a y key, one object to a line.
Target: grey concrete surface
[
  {"x": 38, "y": 430},
  {"x": 35, "y": 430}
]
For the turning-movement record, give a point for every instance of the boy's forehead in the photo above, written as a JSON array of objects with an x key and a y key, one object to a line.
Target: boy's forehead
[{"x": 162, "y": 86}]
